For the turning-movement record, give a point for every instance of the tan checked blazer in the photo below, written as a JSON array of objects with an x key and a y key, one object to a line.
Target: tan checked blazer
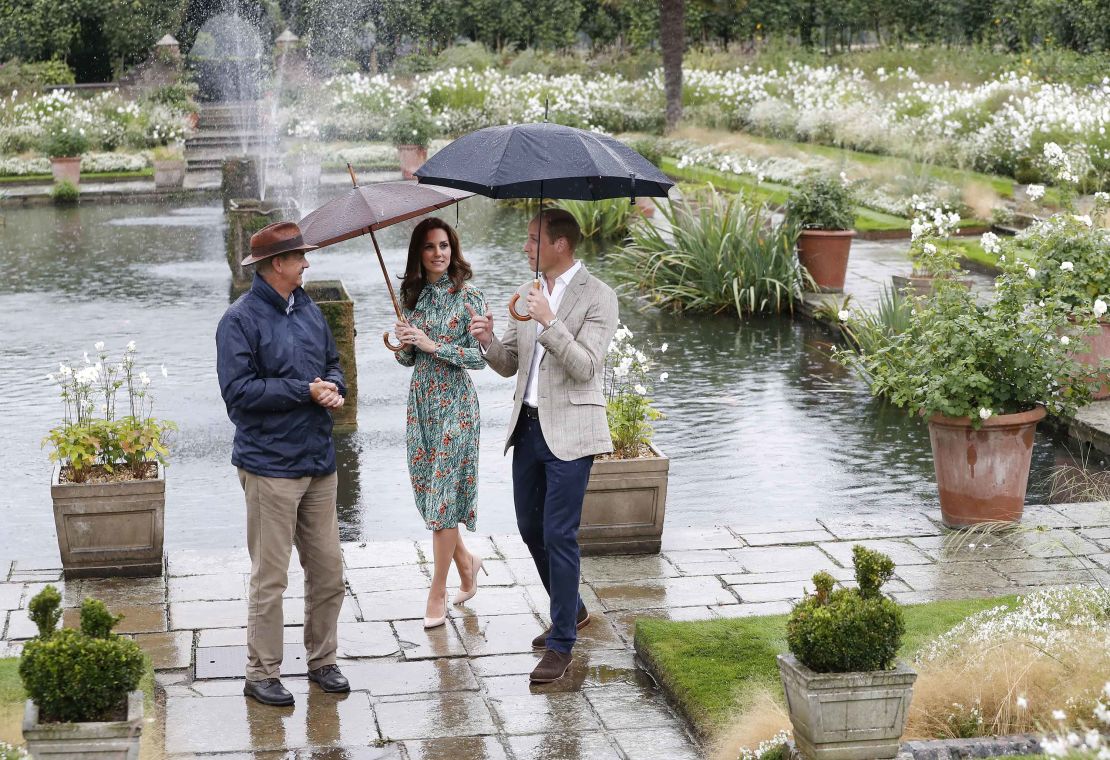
[{"x": 571, "y": 401}]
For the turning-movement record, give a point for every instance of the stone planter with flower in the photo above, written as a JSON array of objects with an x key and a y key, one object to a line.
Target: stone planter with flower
[
  {"x": 823, "y": 208},
  {"x": 65, "y": 144},
  {"x": 983, "y": 376},
  {"x": 626, "y": 496},
  {"x": 108, "y": 485},
  {"x": 411, "y": 130}
]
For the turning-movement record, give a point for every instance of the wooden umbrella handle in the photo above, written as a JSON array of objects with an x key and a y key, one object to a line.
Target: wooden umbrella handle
[
  {"x": 515, "y": 298},
  {"x": 392, "y": 294},
  {"x": 390, "y": 346}
]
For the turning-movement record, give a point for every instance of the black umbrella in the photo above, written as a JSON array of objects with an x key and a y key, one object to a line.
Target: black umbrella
[{"x": 543, "y": 160}]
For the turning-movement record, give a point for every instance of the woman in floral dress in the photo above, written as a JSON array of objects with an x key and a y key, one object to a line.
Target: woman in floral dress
[{"x": 443, "y": 423}]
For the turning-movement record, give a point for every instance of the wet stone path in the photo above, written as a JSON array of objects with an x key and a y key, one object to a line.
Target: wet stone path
[{"x": 461, "y": 691}]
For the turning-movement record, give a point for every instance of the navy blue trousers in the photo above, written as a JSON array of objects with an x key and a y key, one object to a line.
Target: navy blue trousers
[{"x": 548, "y": 493}]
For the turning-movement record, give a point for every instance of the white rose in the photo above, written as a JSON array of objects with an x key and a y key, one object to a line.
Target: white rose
[
  {"x": 663, "y": 377},
  {"x": 843, "y": 314},
  {"x": 1035, "y": 192},
  {"x": 1100, "y": 307},
  {"x": 1031, "y": 272},
  {"x": 985, "y": 414},
  {"x": 1067, "y": 266},
  {"x": 929, "y": 248},
  {"x": 640, "y": 389},
  {"x": 1064, "y": 340},
  {"x": 990, "y": 242},
  {"x": 131, "y": 345}
]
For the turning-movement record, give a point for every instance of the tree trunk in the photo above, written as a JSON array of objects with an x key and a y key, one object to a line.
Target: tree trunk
[{"x": 672, "y": 38}]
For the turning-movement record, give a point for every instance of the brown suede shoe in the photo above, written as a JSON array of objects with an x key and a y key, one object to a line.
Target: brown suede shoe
[
  {"x": 540, "y": 642},
  {"x": 551, "y": 668}
]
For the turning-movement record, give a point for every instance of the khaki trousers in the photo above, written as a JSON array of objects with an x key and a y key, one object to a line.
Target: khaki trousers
[{"x": 282, "y": 513}]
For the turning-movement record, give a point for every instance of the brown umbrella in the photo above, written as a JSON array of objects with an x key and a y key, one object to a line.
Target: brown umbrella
[{"x": 362, "y": 210}]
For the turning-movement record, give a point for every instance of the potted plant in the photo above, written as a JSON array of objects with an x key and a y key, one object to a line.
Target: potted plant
[
  {"x": 1071, "y": 255},
  {"x": 411, "y": 130},
  {"x": 931, "y": 237},
  {"x": 108, "y": 485},
  {"x": 626, "y": 496},
  {"x": 169, "y": 167},
  {"x": 823, "y": 208},
  {"x": 64, "y": 145},
  {"x": 82, "y": 685},
  {"x": 847, "y": 696},
  {"x": 983, "y": 376}
]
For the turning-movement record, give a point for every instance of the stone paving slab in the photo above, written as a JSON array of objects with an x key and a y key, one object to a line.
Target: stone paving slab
[{"x": 462, "y": 688}]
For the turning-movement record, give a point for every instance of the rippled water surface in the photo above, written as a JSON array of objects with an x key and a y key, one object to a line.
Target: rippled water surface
[{"x": 760, "y": 422}]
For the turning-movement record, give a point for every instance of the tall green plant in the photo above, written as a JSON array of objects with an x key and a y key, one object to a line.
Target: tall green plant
[
  {"x": 605, "y": 220},
  {"x": 719, "y": 254},
  {"x": 822, "y": 204}
]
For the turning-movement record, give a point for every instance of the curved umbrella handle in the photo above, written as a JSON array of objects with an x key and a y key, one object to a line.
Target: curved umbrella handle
[
  {"x": 516, "y": 297},
  {"x": 390, "y": 346},
  {"x": 512, "y": 311}
]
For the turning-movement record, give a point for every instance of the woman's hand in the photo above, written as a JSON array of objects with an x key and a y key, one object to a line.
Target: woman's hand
[{"x": 414, "y": 336}]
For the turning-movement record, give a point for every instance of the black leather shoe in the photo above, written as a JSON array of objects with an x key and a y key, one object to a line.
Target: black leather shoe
[
  {"x": 540, "y": 642},
  {"x": 329, "y": 679},
  {"x": 268, "y": 691}
]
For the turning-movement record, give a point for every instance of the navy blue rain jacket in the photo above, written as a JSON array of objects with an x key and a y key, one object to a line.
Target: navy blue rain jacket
[{"x": 266, "y": 360}]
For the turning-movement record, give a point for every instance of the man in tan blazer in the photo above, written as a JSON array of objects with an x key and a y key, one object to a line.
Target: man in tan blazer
[{"x": 558, "y": 422}]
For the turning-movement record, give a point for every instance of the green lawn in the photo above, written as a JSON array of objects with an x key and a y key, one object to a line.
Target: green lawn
[
  {"x": 867, "y": 220},
  {"x": 708, "y": 667},
  {"x": 86, "y": 176}
]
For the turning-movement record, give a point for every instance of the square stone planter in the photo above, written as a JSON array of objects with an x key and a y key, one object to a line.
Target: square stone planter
[
  {"x": 169, "y": 174},
  {"x": 110, "y": 529},
  {"x": 112, "y": 740},
  {"x": 339, "y": 310},
  {"x": 625, "y": 502},
  {"x": 846, "y": 716}
]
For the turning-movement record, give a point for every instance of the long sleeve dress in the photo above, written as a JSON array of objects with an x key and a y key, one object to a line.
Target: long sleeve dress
[{"x": 443, "y": 420}]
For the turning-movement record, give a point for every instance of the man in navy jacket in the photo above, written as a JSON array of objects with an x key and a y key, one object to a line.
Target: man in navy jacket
[{"x": 279, "y": 375}]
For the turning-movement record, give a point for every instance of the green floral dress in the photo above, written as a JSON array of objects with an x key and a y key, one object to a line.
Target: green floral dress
[{"x": 443, "y": 423}]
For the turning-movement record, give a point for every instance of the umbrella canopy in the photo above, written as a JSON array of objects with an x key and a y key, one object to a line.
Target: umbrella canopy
[
  {"x": 543, "y": 160},
  {"x": 372, "y": 207}
]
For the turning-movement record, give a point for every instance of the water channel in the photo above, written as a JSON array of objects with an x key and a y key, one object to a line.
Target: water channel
[{"x": 761, "y": 425}]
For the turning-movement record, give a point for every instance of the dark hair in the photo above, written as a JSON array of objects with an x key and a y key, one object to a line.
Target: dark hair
[
  {"x": 560, "y": 223},
  {"x": 413, "y": 280}
]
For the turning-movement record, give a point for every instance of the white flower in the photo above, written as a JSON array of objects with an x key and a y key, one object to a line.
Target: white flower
[
  {"x": 929, "y": 248},
  {"x": 1064, "y": 340},
  {"x": 843, "y": 315},
  {"x": 990, "y": 242},
  {"x": 50, "y": 378},
  {"x": 1067, "y": 266},
  {"x": 1084, "y": 219},
  {"x": 640, "y": 389},
  {"x": 131, "y": 345},
  {"x": 99, "y": 345},
  {"x": 663, "y": 348},
  {"x": 640, "y": 357},
  {"x": 144, "y": 378},
  {"x": 663, "y": 376},
  {"x": 985, "y": 414},
  {"x": 620, "y": 372},
  {"x": 1059, "y": 715},
  {"x": 1035, "y": 192},
  {"x": 1022, "y": 702},
  {"x": 1031, "y": 272},
  {"x": 1100, "y": 307}
]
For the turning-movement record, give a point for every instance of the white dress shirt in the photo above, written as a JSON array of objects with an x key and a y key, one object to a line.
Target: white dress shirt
[{"x": 531, "y": 393}]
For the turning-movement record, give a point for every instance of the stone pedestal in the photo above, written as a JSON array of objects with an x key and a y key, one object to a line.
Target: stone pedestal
[
  {"x": 339, "y": 310},
  {"x": 245, "y": 217},
  {"x": 240, "y": 179}
]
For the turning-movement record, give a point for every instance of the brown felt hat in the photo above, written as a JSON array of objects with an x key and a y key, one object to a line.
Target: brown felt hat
[{"x": 276, "y": 238}]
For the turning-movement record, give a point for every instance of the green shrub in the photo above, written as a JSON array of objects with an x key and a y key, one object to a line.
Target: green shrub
[
  {"x": 32, "y": 77},
  {"x": 822, "y": 204},
  {"x": 604, "y": 220},
  {"x": 180, "y": 96},
  {"x": 79, "y": 676},
  {"x": 471, "y": 55},
  {"x": 411, "y": 126},
  {"x": 64, "y": 142},
  {"x": 723, "y": 255},
  {"x": 45, "y": 610},
  {"x": 65, "y": 192},
  {"x": 848, "y": 630},
  {"x": 649, "y": 147}
]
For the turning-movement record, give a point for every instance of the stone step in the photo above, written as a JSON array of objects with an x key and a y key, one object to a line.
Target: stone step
[{"x": 213, "y": 141}]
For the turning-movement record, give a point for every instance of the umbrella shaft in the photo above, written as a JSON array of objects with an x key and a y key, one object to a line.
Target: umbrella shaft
[{"x": 385, "y": 274}]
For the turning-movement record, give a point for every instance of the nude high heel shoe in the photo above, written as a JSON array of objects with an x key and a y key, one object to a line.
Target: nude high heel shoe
[
  {"x": 436, "y": 622},
  {"x": 463, "y": 596}
]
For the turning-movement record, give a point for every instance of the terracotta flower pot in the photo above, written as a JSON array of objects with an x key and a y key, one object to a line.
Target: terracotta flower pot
[
  {"x": 412, "y": 157},
  {"x": 824, "y": 254},
  {"x": 982, "y": 474},
  {"x": 66, "y": 169},
  {"x": 1099, "y": 344}
]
